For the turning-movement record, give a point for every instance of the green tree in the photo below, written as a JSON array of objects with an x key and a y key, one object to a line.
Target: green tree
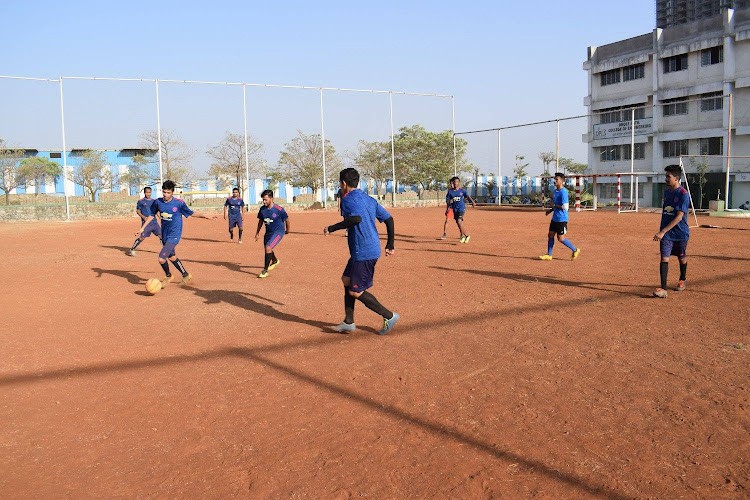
[
  {"x": 547, "y": 158},
  {"x": 520, "y": 170},
  {"x": 700, "y": 178},
  {"x": 93, "y": 174},
  {"x": 373, "y": 160},
  {"x": 139, "y": 172},
  {"x": 229, "y": 159},
  {"x": 35, "y": 169},
  {"x": 573, "y": 166},
  {"x": 491, "y": 186},
  {"x": 301, "y": 161},
  {"x": 10, "y": 175}
]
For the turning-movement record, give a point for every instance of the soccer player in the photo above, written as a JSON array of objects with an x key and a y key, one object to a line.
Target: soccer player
[
  {"x": 360, "y": 212},
  {"x": 559, "y": 223},
  {"x": 170, "y": 210},
  {"x": 234, "y": 205},
  {"x": 277, "y": 225},
  {"x": 674, "y": 231},
  {"x": 454, "y": 200},
  {"x": 143, "y": 209},
  {"x": 448, "y": 215}
]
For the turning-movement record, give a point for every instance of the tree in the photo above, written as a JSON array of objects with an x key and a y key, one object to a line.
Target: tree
[
  {"x": 93, "y": 174},
  {"x": 547, "y": 158},
  {"x": 229, "y": 159},
  {"x": 520, "y": 170},
  {"x": 373, "y": 159},
  {"x": 701, "y": 169},
  {"x": 35, "y": 169},
  {"x": 10, "y": 175},
  {"x": 573, "y": 166},
  {"x": 301, "y": 161},
  {"x": 491, "y": 185},
  {"x": 139, "y": 172},
  {"x": 175, "y": 155}
]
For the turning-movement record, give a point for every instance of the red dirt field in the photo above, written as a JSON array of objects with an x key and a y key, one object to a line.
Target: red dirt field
[{"x": 506, "y": 377}]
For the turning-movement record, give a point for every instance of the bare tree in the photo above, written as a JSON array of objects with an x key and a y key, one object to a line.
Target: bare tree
[
  {"x": 93, "y": 174},
  {"x": 229, "y": 159},
  {"x": 373, "y": 159},
  {"x": 35, "y": 169},
  {"x": 10, "y": 175},
  {"x": 175, "y": 155},
  {"x": 547, "y": 158},
  {"x": 139, "y": 173},
  {"x": 301, "y": 161}
]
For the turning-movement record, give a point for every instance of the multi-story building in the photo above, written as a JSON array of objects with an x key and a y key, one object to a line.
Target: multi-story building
[{"x": 678, "y": 84}]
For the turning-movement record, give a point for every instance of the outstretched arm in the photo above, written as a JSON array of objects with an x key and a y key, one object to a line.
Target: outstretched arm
[{"x": 344, "y": 224}]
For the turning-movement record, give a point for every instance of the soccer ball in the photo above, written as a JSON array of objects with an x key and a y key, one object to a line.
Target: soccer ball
[{"x": 153, "y": 285}]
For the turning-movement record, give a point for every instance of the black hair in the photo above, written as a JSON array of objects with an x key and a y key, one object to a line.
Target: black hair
[
  {"x": 675, "y": 170},
  {"x": 560, "y": 175},
  {"x": 350, "y": 177},
  {"x": 147, "y": 188},
  {"x": 454, "y": 179},
  {"x": 267, "y": 192},
  {"x": 235, "y": 189},
  {"x": 168, "y": 185}
]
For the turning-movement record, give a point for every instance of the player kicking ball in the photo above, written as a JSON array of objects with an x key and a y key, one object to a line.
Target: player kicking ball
[
  {"x": 360, "y": 212},
  {"x": 143, "y": 209},
  {"x": 674, "y": 231},
  {"x": 170, "y": 210},
  {"x": 454, "y": 200},
  {"x": 276, "y": 221},
  {"x": 233, "y": 206},
  {"x": 559, "y": 224}
]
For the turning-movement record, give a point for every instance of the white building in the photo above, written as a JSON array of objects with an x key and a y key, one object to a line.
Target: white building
[{"x": 678, "y": 80}]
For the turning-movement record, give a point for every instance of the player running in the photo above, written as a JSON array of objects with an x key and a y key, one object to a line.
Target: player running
[
  {"x": 234, "y": 206},
  {"x": 277, "y": 225},
  {"x": 674, "y": 231},
  {"x": 143, "y": 209},
  {"x": 454, "y": 200},
  {"x": 559, "y": 223},
  {"x": 360, "y": 212},
  {"x": 170, "y": 210}
]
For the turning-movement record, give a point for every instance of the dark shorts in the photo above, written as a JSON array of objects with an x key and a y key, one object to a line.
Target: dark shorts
[
  {"x": 676, "y": 248},
  {"x": 168, "y": 249},
  {"x": 235, "y": 223},
  {"x": 457, "y": 216},
  {"x": 272, "y": 240},
  {"x": 152, "y": 228},
  {"x": 360, "y": 274},
  {"x": 560, "y": 228}
]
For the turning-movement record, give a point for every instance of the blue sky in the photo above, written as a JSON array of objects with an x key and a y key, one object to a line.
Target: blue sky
[{"x": 505, "y": 63}]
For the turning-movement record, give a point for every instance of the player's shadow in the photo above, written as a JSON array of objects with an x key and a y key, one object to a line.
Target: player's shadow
[
  {"x": 530, "y": 278},
  {"x": 208, "y": 240},
  {"x": 245, "y": 301},
  {"x": 132, "y": 278},
  {"x": 456, "y": 252},
  {"x": 125, "y": 249},
  {"x": 718, "y": 257},
  {"x": 232, "y": 266}
]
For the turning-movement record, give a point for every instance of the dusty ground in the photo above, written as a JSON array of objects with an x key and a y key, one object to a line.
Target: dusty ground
[{"x": 508, "y": 376}]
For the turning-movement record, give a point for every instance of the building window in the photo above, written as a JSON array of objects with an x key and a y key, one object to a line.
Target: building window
[
  {"x": 621, "y": 114},
  {"x": 611, "y": 115},
  {"x": 675, "y": 148},
  {"x": 639, "y": 149},
  {"x": 677, "y": 106},
  {"x": 711, "y": 146},
  {"x": 675, "y": 63},
  {"x": 55, "y": 155},
  {"x": 610, "y": 77},
  {"x": 712, "y": 101},
  {"x": 714, "y": 55},
  {"x": 634, "y": 72},
  {"x": 609, "y": 153}
]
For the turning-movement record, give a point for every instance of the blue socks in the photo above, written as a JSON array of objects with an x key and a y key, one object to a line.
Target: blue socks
[
  {"x": 550, "y": 244},
  {"x": 569, "y": 245}
]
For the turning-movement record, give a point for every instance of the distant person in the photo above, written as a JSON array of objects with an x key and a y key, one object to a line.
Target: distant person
[
  {"x": 276, "y": 221},
  {"x": 234, "y": 205},
  {"x": 454, "y": 200},
  {"x": 143, "y": 209},
  {"x": 745, "y": 206},
  {"x": 674, "y": 231},
  {"x": 559, "y": 224}
]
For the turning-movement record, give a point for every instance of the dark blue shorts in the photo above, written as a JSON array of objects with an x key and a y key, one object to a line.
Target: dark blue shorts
[
  {"x": 273, "y": 239},
  {"x": 152, "y": 228},
  {"x": 560, "y": 228},
  {"x": 676, "y": 248},
  {"x": 457, "y": 216},
  {"x": 360, "y": 274},
  {"x": 235, "y": 223},
  {"x": 168, "y": 249}
]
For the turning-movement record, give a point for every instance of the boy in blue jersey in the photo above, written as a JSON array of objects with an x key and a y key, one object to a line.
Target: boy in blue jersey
[
  {"x": 674, "y": 231},
  {"x": 276, "y": 221},
  {"x": 234, "y": 205},
  {"x": 454, "y": 200},
  {"x": 143, "y": 209},
  {"x": 559, "y": 223},
  {"x": 170, "y": 210},
  {"x": 360, "y": 212}
]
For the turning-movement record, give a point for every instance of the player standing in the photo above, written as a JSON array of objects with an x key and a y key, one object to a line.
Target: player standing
[
  {"x": 170, "y": 211},
  {"x": 454, "y": 200},
  {"x": 674, "y": 231},
  {"x": 277, "y": 225},
  {"x": 234, "y": 206},
  {"x": 360, "y": 212},
  {"x": 559, "y": 223},
  {"x": 143, "y": 209}
]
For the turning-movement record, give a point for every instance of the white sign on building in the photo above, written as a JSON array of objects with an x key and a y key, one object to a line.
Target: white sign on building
[{"x": 622, "y": 129}]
